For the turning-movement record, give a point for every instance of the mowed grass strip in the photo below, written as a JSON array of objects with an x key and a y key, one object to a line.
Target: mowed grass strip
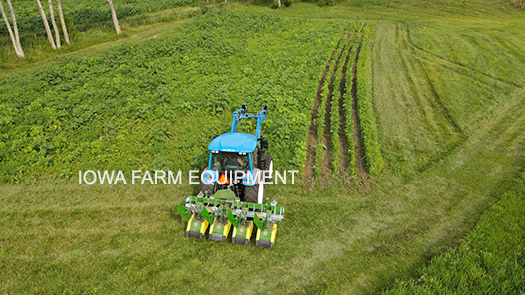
[
  {"x": 403, "y": 95},
  {"x": 489, "y": 260}
]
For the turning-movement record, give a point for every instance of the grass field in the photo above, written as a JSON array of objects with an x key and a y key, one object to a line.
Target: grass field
[{"x": 448, "y": 99}]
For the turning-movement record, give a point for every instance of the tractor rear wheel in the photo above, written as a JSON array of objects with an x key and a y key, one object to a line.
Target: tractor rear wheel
[{"x": 251, "y": 193}]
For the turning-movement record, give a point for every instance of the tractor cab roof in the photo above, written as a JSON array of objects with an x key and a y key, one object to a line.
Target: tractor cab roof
[{"x": 234, "y": 143}]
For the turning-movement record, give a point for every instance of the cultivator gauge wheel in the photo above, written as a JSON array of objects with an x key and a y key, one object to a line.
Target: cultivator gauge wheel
[
  {"x": 243, "y": 233},
  {"x": 196, "y": 227},
  {"x": 219, "y": 230},
  {"x": 266, "y": 237}
]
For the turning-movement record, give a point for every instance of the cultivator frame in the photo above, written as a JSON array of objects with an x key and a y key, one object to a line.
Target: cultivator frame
[{"x": 221, "y": 214}]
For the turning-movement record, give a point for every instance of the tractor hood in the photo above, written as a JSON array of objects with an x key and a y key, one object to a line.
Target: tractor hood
[{"x": 234, "y": 142}]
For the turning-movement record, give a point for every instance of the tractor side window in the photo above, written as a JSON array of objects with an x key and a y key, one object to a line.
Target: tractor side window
[{"x": 217, "y": 162}]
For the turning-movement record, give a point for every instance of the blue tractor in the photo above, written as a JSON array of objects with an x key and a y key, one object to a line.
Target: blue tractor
[
  {"x": 238, "y": 161},
  {"x": 232, "y": 191}
]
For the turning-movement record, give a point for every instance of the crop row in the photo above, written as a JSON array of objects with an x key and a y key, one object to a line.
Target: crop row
[
  {"x": 372, "y": 149},
  {"x": 347, "y": 105},
  {"x": 333, "y": 86},
  {"x": 334, "y": 116},
  {"x": 320, "y": 147},
  {"x": 351, "y": 91}
]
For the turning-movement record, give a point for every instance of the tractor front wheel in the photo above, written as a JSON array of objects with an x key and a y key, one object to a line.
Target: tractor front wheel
[
  {"x": 268, "y": 166},
  {"x": 208, "y": 189}
]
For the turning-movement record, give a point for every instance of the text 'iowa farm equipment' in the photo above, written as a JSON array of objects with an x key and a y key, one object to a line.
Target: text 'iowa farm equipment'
[{"x": 232, "y": 189}]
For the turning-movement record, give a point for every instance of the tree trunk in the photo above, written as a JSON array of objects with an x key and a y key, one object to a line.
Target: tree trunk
[
  {"x": 48, "y": 30},
  {"x": 63, "y": 22},
  {"x": 279, "y": 2},
  {"x": 114, "y": 15},
  {"x": 9, "y": 29},
  {"x": 53, "y": 22},
  {"x": 15, "y": 28}
]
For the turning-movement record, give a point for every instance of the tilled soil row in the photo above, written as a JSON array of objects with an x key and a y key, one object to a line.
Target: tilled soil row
[
  {"x": 362, "y": 173},
  {"x": 312, "y": 131},
  {"x": 344, "y": 160},
  {"x": 326, "y": 160}
]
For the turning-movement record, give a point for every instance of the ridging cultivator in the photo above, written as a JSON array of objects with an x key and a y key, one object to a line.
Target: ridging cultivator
[{"x": 232, "y": 190}]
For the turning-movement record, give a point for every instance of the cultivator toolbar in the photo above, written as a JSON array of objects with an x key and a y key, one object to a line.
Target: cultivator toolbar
[{"x": 220, "y": 214}]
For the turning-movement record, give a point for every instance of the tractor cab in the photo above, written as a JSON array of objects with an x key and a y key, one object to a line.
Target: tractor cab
[
  {"x": 237, "y": 160},
  {"x": 232, "y": 152}
]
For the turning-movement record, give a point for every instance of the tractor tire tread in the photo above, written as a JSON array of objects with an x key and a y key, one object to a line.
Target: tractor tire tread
[{"x": 251, "y": 193}]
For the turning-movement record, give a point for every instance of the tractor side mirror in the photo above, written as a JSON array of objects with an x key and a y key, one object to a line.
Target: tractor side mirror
[
  {"x": 265, "y": 108},
  {"x": 245, "y": 108}
]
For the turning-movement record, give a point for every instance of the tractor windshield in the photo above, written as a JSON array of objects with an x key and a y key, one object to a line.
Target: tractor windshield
[{"x": 230, "y": 162}]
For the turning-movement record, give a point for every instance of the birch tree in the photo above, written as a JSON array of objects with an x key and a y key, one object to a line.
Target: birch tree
[
  {"x": 14, "y": 38},
  {"x": 114, "y": 15},
  {"x": 53, "y": 22},
  {"x": 15, "y": 28},
  {"x": 62, "y": 22},
  {"x": 48, "y": 30}
]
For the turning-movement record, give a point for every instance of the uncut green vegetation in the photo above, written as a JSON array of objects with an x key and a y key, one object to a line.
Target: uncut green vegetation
[
  {"x": 490, "y": 260},
  {"x": 130, "y": 102}
]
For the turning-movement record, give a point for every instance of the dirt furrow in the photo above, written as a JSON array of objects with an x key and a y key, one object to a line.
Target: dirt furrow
[{"x": 312, "y": 131}]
